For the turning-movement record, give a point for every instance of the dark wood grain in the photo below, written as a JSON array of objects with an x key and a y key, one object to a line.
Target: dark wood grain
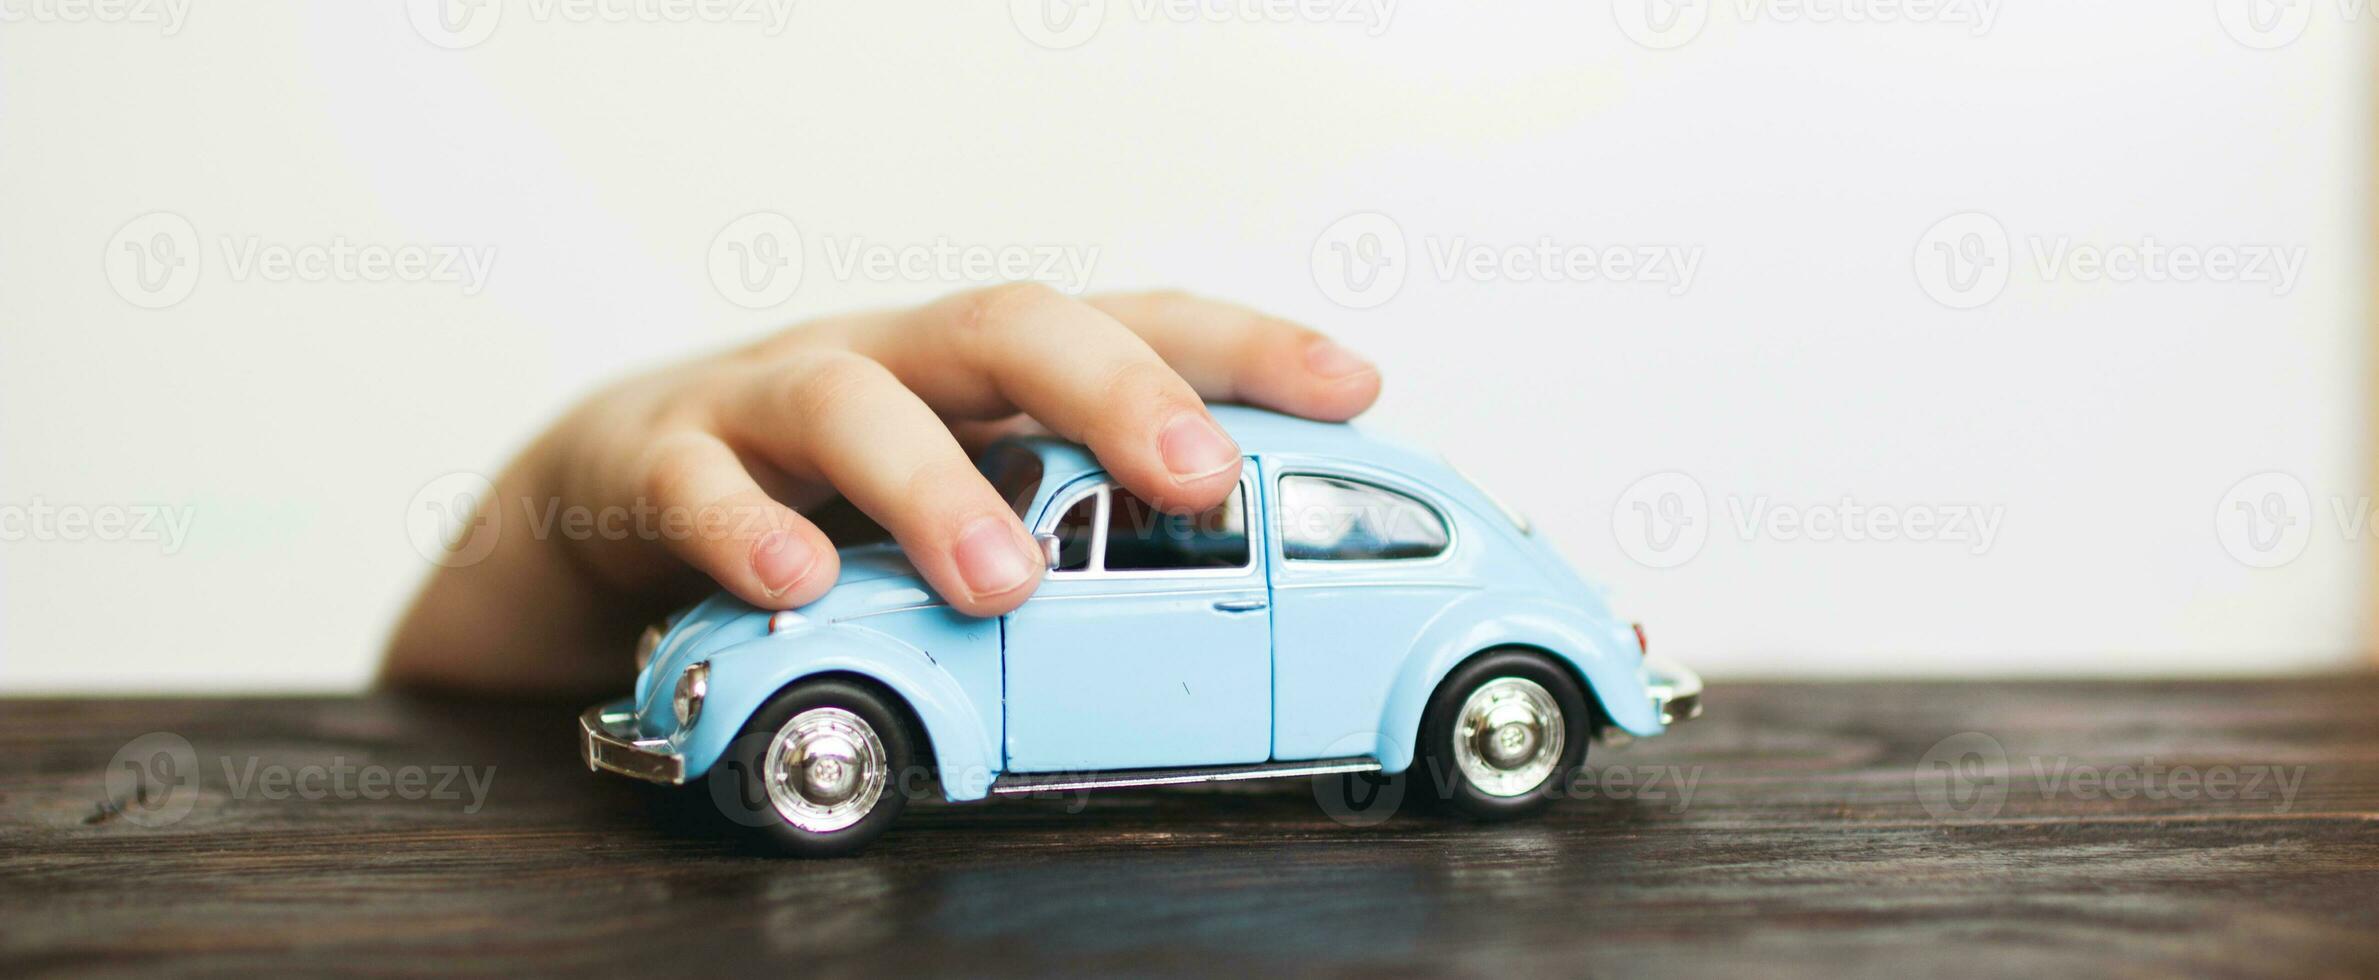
[{"x": 1816, "y": 841}]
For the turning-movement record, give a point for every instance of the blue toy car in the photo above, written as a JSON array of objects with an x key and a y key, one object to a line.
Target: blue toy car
[{"x": 1354, "y": 608}]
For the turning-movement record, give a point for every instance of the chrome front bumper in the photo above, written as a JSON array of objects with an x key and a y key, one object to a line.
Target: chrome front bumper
[
  {"x": 1676, "y": 692},
  {"x": 607, "y": 742}
]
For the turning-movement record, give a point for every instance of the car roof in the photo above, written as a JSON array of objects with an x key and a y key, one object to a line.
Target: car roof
[{"x": 1265, "y": 433}]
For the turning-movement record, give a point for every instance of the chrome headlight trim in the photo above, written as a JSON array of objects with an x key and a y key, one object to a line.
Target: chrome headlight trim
[{"x": 692, "y": 687}]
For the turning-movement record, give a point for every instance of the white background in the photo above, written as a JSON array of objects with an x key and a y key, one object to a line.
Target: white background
[{"x": 1803, "y": 162}]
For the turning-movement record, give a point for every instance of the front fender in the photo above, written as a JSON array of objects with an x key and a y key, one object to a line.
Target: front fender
[
  {"x": 961, "y": 719},
  {"x": 1610, "y": 666}
]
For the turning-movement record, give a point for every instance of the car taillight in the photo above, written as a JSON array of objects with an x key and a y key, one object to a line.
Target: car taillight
[{"x": 1643, "y": 646}]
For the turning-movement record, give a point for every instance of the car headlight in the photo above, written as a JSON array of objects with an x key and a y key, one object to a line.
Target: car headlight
[
  {"x": 646, "y": 645},
  {"x": 692, "y": 687}
]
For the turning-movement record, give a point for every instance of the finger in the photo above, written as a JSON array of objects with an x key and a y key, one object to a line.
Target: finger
[
  {"x": 977, "y": 436},
  {"x": 840, "y": 418},
  {"x": 717, "y": 519},
  {"x": 1074, "y": 369},
  {"x": 1232, "y": 353}
]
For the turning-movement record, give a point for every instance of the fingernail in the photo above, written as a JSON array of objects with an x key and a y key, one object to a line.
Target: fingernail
[
  {"x": 989, "y": 560},
  {"x": 1194, "y": 448},
  {"x": 781, "y": 559},
  {"x": 1329, "y": 360}
]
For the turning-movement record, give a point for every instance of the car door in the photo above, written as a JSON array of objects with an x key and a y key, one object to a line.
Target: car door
[
  {"x": 1362, "y": 562},
  {"x": 1150, "y": 645}
]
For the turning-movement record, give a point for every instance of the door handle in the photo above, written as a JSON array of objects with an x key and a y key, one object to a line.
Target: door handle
[{"x": 1238, "y": 605}]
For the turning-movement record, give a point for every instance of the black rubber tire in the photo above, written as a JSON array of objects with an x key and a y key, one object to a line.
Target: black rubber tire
[
  {"x": 748, "y": 755},
  {"x": 1440, "y": 781}
]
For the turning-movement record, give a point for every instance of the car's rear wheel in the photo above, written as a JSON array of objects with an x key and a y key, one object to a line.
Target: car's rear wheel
[
  {"x": 1503, "y": 734},
  {"x": 830, "y": 758}
]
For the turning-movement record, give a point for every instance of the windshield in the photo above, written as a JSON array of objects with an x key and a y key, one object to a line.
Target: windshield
[{"x": 1015, "y": 472}]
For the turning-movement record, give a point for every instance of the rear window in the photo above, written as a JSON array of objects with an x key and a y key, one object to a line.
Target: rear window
[{"x": 1329, "y": 519}]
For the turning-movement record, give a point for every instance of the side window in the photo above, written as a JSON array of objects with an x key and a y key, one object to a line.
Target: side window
[
  {"x": 1074, "y": 533},
  {"x": 1143, "y": 538},
  {"x": 1328, "y": 519}
]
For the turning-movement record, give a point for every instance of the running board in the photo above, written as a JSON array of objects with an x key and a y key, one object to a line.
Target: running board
[{"x": 1046, "y": 782}]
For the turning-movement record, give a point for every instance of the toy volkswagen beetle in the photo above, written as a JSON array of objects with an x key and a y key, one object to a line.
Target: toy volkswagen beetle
[{"x": 1354, "y": 607}]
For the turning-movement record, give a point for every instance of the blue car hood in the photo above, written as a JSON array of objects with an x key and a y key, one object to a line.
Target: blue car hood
[{"x": 875, "y": 578}]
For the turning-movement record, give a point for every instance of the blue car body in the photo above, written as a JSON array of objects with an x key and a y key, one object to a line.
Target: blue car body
[{"x": 1283, "y": 660}]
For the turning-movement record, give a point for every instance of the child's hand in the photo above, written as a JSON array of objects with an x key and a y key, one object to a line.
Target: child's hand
[{"x": 697, "y": 462}]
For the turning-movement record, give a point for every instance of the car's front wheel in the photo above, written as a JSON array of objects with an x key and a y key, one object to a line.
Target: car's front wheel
[
  {"x": 830, "y": 758},
  {"x": 1502, "y": 734}
]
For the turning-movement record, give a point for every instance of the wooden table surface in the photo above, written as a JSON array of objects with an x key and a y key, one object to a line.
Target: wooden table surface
[{"x": 1798, "y": 829}]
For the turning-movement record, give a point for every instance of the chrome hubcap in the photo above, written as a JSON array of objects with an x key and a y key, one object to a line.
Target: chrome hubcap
[
  {"x": 826, "y": 770},
  {"x": 1508, "y": 736}
]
